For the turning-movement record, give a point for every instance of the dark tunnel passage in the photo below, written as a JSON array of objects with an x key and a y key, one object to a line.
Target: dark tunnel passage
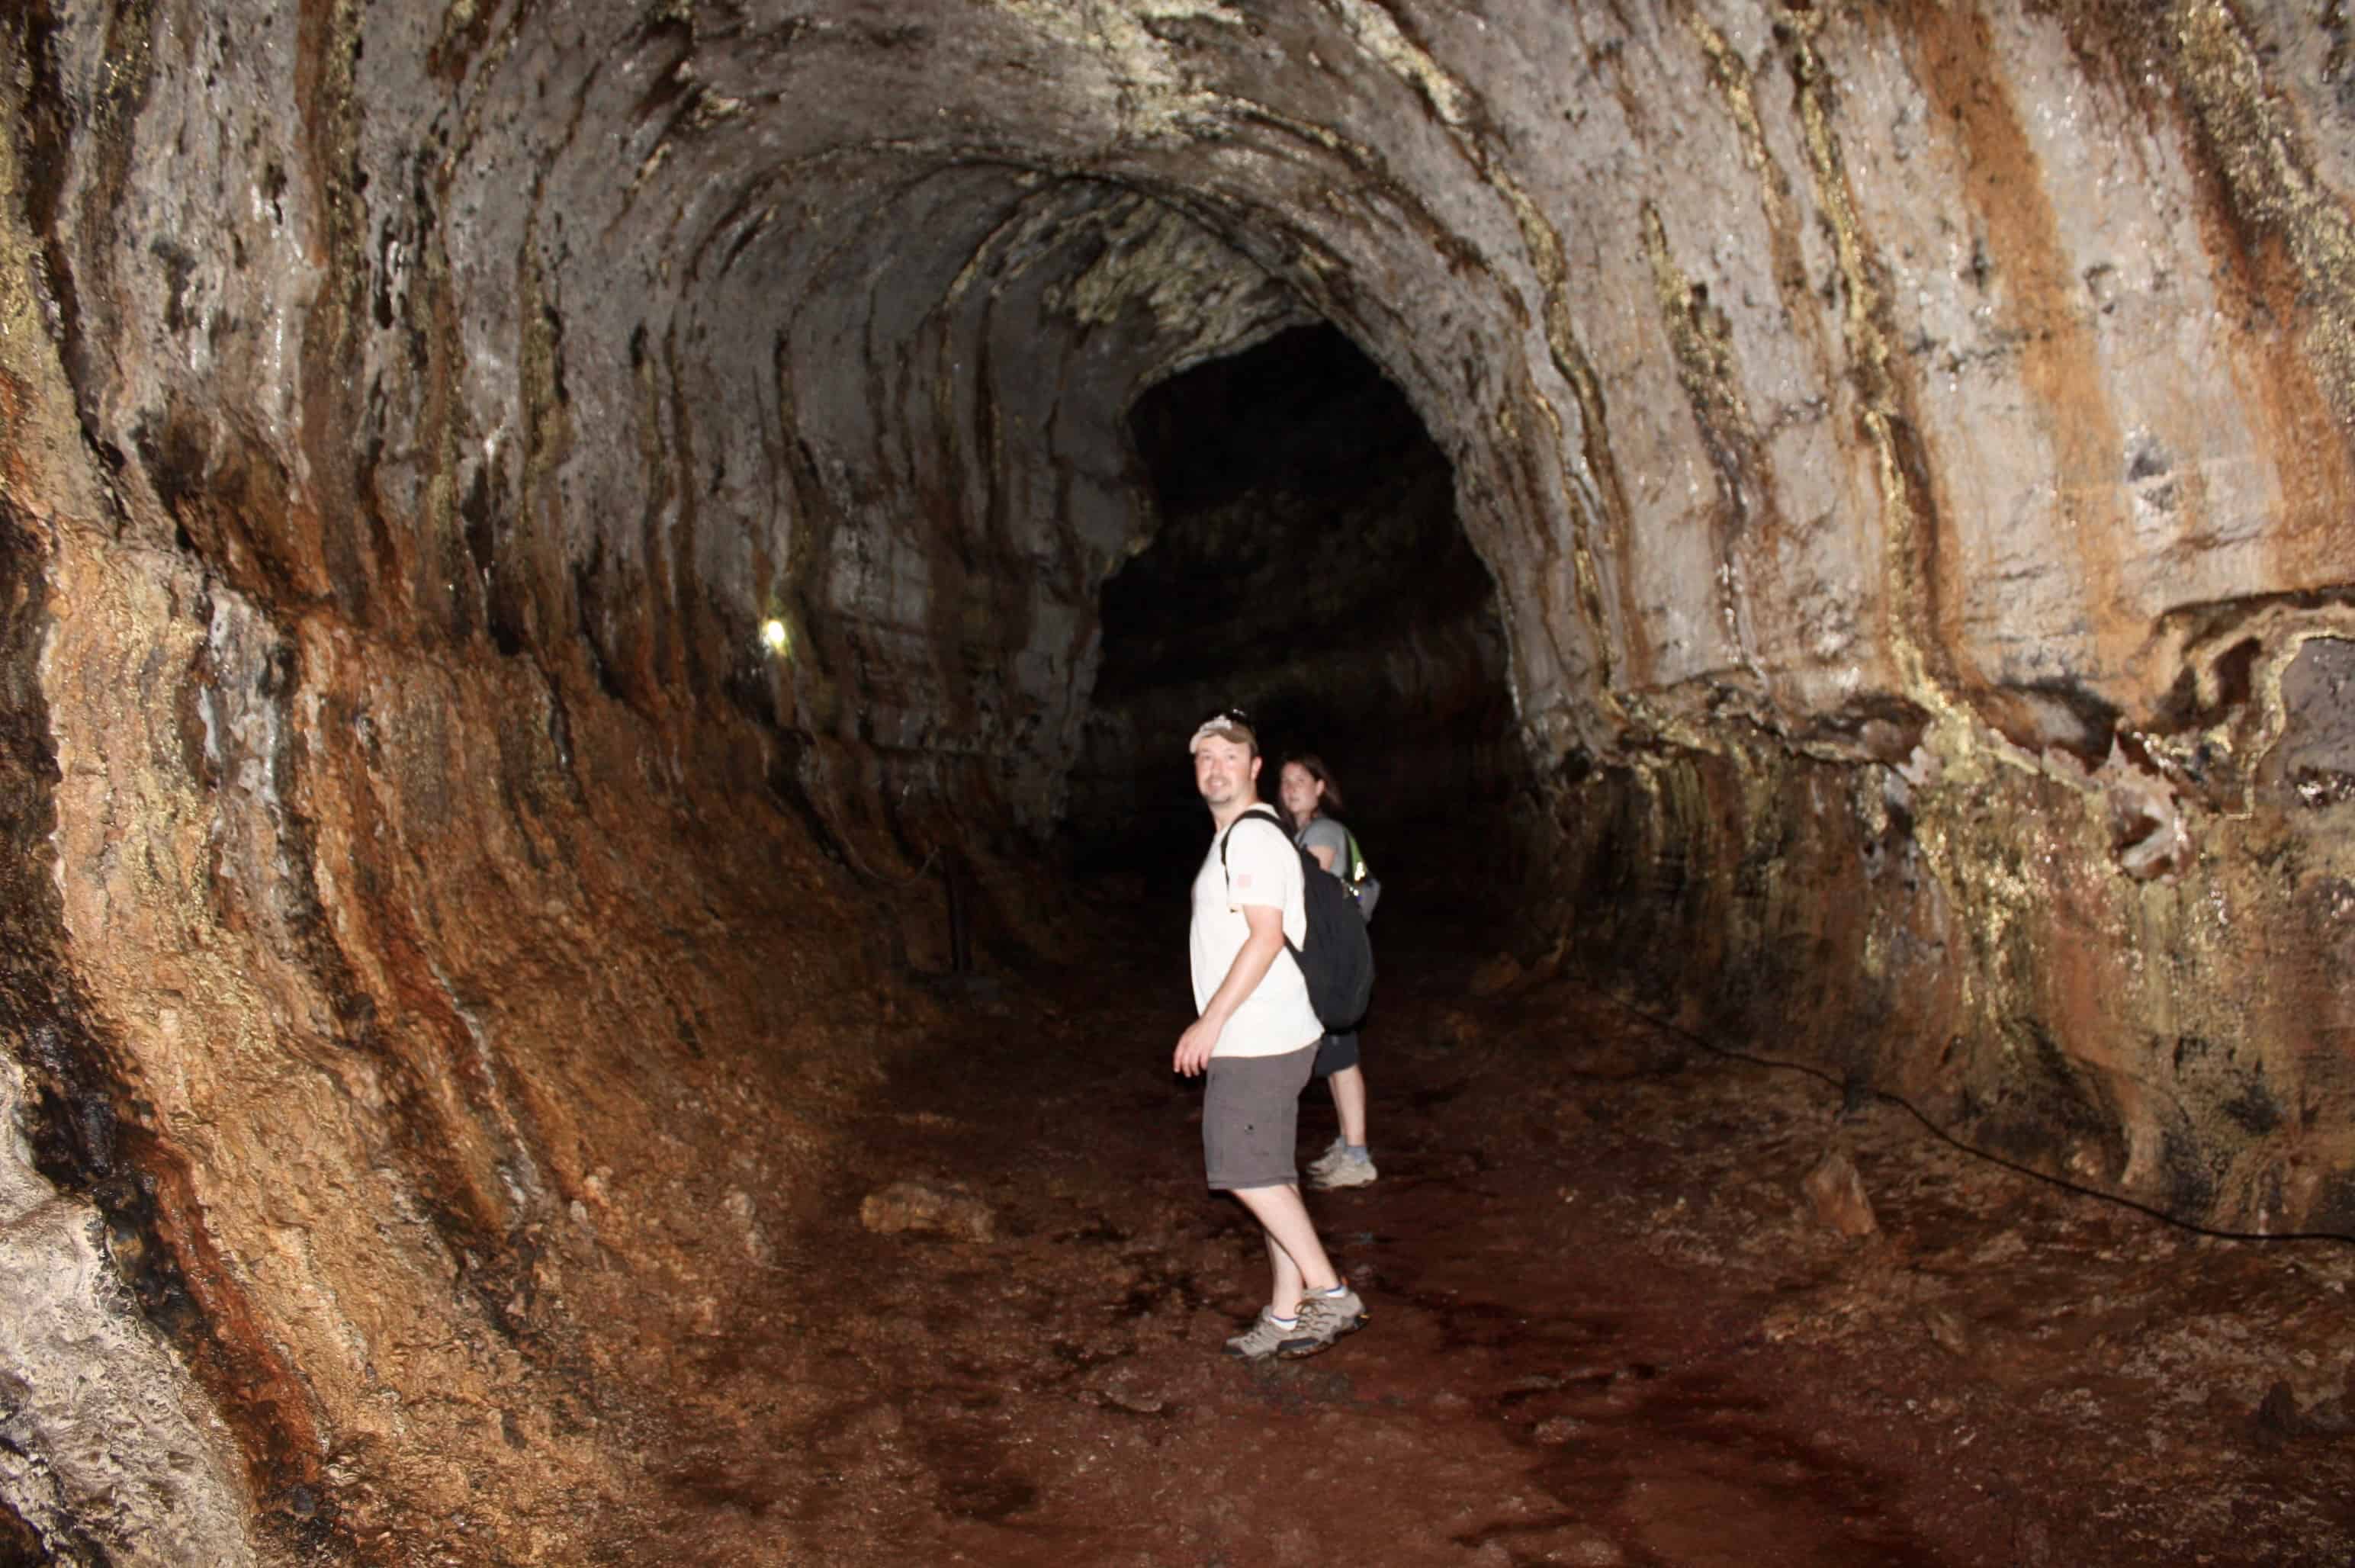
[
  {"x": 1306, "y": 565},
  {"x": 599, "y": 610}
]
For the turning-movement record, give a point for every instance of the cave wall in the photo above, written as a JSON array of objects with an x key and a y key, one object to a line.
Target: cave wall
[
  {"x": 409, "y": 1045},
  {"x": 414, "y": 1054},
  {"x": 2013, "y": 800},
  {"x": 1910, "y": 444},
  {"x": 1973, "y": 945},
  {"x": 1740, "y": 414}
]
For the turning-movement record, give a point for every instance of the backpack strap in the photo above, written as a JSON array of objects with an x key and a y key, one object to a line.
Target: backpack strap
[
  {"x": 1259, "y": 811},
  {"x": 1265, "y": 815}
]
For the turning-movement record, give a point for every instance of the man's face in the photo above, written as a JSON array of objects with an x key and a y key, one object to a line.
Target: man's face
[{"x": 1224, "y": 771}]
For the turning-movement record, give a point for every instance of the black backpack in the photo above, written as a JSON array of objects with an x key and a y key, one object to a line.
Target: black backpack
[{"x": 1337, "y": 959}]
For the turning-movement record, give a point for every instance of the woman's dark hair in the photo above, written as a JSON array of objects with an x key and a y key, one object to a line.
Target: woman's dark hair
[{"x": 1316, "y": 768}]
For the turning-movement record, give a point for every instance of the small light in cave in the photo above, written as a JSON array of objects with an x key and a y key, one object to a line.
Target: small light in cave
[{"x": 774, "y": 637}]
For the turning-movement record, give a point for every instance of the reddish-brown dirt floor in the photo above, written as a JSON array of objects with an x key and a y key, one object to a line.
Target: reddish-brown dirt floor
[{"x": 1606, "y": 1326}]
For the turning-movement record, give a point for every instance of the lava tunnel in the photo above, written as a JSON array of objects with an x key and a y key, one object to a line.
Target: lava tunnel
[
  {"x": 1306, "y": 564},
  {"x": 602, "y": 609}
]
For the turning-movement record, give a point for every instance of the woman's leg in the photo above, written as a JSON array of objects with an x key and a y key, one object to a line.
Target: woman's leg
[{"x": 1349, "y": 1103}]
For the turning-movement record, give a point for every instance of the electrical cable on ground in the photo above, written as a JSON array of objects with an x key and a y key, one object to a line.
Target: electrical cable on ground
[{"x": 1942, "y": 1135}]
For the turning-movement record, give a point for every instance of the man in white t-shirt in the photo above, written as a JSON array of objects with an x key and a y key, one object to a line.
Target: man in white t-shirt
[{"x": 1257, "y": 1039}]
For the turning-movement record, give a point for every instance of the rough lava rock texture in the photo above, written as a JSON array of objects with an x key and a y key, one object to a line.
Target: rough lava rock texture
[{"x": 528, "y": 531}]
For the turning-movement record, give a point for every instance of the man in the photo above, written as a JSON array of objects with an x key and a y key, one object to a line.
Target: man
[{"x": 1257, "y": 1039}]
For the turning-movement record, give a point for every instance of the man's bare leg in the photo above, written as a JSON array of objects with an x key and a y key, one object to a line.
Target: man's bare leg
[
  {"x": 1295, "y": 1257},
  {"x": 1349, "y": 1103},
  {"x": 1286, "y": 1289}
]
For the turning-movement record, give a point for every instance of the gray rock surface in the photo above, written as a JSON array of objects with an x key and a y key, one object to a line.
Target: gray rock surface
[{"x": 106, "y": 1445}]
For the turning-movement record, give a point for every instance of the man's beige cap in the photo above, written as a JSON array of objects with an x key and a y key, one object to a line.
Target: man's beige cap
[{"x": 1222, "y": 727}]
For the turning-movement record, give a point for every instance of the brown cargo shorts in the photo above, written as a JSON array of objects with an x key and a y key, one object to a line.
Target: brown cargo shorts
[{"x": 1251, "y": 1119}]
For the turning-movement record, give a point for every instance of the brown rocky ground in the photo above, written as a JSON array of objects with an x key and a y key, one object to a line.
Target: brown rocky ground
[{"x": 1608, "y": 1326}]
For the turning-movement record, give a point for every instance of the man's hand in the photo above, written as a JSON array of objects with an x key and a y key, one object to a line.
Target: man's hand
[
  {"x": 1243, "y": 975},
  {"x": 1194, "y": 1047}
]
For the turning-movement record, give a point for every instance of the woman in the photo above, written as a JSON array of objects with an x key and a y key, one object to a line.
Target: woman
[{"x": 1310, "y": 797}]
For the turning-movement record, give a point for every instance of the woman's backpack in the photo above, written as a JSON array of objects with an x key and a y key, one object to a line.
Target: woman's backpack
[
  {"x": 1364, "y": 887},
  {"x": 1337, "y": 960}
]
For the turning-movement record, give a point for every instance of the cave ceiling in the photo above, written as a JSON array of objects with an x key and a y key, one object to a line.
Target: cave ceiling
[{"x": 651, "y": 324}]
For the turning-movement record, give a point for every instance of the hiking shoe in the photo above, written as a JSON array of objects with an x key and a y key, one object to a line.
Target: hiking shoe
[
  {"x": 1264, "y": 1338},
  {"x": 1326, "y": 1159},
  {"x": 1322, "y": 1320},
  {"x": 1338, "y": 1167}
]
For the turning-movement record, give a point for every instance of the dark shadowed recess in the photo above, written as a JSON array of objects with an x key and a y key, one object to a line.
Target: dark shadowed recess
[
  {"x": 1308, "y": 566},
  {"x": 19, "y": 1547}
]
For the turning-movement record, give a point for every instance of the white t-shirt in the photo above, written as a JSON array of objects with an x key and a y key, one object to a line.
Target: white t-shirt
[{"x": 1262, "y": 868}]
